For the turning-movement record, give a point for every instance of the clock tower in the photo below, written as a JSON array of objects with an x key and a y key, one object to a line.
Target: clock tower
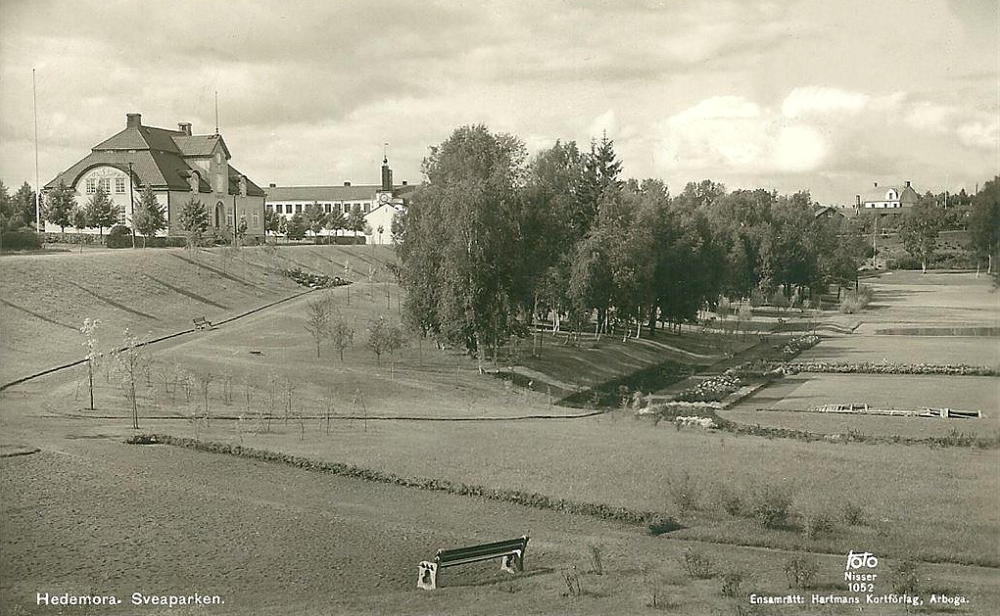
[{"x": 384, "y": 194}]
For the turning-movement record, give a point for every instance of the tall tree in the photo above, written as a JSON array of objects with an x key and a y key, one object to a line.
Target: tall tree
[
  {"x": 194, "y": 221},
  {"x": 149, "y": 218},
  {"x": 24, "y": 204},
  {"x": 8, "y": 217},
  {"x": 315, "y": 218},
  {"x": 271, "y": 222},
  {"x": 335, "y": 221},
  {"x": 356, "y": 220},
  {"x": 101, "y": 212},
  {"x": 295, "y": 228},
  {"x": 462, "y": 275},
  {"x": 920, "y": 231},
  {"x": 62, "y": 200},
  {"x": 984, "y": 223}
]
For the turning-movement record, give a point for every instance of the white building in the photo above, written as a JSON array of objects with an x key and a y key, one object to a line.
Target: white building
[{"x": 378, "y": 202}]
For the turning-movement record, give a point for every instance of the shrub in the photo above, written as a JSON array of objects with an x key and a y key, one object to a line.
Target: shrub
[
  {"x": 120, "y": 236},
  {"x": 732, "y": 578},
  {"x": 697, "y": 565},
  {"x": 852, "y": 514},
  {"x": 818, "y": 523},
  {"x": 769, "y": 506},
  {"x": 904, "y": 578},
  {"x": 595, "y": 551},
  {"x": 684, "y": 492},
  {"x": 730, "y": 501},
  {"x": 20, "y": 239},
  {"x": 800, "y": 571}
]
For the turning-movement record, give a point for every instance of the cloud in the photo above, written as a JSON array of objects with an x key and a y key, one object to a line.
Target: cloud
[
  {"x": 731, "y": 132},
  {"x": 984, "y": 135},
  {"x": 821, "y": 101}
]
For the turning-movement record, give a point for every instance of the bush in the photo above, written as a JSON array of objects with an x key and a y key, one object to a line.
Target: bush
[
  {"x": 684, "y": 492},
  {"x": 853, "y": 515},
  {"x": 732, "y": 579},
  {"x": 72, "y": 238},
  {"x": 340, "y": 240},
  {"x": 730, "y": 501},
  {"x": 818, "y": 523},
  {"x": 769, "y": 506},
  {"x": 20, "y": 239},
  {"x": 697, "y": 565},
  {"x": 904, "y": 578},
  {"x": 800, "y": 571},
  {"x": 120, "y": 236}
]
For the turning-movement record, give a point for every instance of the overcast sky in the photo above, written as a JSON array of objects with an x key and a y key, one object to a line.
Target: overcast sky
[{"x": 826, "y": 95}]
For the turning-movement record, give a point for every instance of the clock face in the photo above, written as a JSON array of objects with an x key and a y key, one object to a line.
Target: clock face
[{"x": 383, "y": 198}]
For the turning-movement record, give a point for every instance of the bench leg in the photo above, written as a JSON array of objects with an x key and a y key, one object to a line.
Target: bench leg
[
  {"x": 427, "y": 576},
  {"x": 513, "y": 562}
]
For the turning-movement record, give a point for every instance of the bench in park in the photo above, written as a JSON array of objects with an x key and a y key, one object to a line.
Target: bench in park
[
  {"x": 201, "y": 323},
  {"x": 510, "y": 552}
]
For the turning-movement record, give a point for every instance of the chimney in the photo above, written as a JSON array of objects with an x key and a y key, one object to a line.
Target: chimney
[
  {"x": 347, "y": 183},
  {"x": 907, "y": 183},
  {"x": 876, "y": 184},
  {"x": 404, "y": 182},
  {"x": 858, "y": 197},
  {"x": 133, "y": 120},
  {"x": 184, "y": 127},
  {"x": 272, "y": 185}
]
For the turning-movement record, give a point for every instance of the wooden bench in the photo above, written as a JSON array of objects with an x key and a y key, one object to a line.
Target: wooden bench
[
  {"x": 510, "y": 552},
  {"x": 201, "y": 323}
]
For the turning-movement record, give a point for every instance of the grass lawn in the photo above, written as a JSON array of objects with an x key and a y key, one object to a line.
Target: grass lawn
[
  {"x": 976, "y": 351},
  {"x": 804, "y": 391}
]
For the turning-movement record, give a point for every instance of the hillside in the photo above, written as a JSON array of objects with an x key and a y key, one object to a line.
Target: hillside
[{"x": 45, "y": 298}]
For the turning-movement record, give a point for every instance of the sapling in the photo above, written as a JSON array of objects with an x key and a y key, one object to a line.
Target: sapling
[{"x": 89, "y": 331}]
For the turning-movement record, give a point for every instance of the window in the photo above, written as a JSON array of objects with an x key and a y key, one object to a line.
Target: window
[
  {"x": 326, "y": 208},
  {"x": 366, "y": 208},
  {"x": 119, "y": 185},
  {"x": 91, "y": 186},
  {"x": 267, "y": 206},
  {"x": 121, "y": 216},
  {"x": 105, "y": 184},
  {"x": 256, "y": 220},
  {"x": 288, "y": 208},
  {"x": 298, "y": 208}
]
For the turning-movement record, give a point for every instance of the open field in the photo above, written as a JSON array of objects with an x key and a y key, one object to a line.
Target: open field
[
  {"x": 905, "y": 392},
  {"x": 915, "y": 502},
  {"x": 976, "y": 351},
  {"x": 275, "y": 540}
]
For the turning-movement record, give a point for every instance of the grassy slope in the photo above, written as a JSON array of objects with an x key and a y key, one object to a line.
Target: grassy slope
[{"x": 153, "y": 292}]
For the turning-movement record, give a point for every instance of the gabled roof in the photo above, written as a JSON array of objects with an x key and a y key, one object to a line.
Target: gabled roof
[
  {"x": 199, "y": 145},
  {"x": 878, "y": 193},
  {"x": 158, "y": 158}
]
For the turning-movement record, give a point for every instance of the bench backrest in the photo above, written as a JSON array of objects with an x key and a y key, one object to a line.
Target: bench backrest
[{"x": 485, "y": 551}]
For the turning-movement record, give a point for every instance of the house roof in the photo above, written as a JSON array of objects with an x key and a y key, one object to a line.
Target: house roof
[
  {"x": 158, "y": 159},
  {"x": 359, "y": 192},
  {"x": 878, "y": 193}
]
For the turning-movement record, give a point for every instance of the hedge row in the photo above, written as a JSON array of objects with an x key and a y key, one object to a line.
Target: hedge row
[
  {"x": 517, "y": 497},
  {"x": 20, "y": 239},
  {"x": 893, "y": 368},
  {"x": 340, "y": 240}
]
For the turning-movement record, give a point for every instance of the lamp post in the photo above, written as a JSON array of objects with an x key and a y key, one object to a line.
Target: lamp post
[{"x": 131, "y": 201}]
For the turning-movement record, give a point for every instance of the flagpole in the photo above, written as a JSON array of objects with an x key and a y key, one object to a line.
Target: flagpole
[{"x": 38, "y": 189}]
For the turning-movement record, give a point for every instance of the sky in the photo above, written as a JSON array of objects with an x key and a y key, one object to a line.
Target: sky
[{"x": 826, "y": 96}]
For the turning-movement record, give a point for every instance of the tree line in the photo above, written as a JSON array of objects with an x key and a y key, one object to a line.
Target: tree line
[{"x": 494, "y": 240}]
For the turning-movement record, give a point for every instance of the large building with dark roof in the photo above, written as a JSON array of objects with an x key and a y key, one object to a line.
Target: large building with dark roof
[
  {"x": 179, "y": 166},
  {"x": 378, "y": 202}
]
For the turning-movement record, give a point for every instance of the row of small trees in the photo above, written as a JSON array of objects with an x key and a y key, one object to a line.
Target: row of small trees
[
  {"x": 315, "y": 219},
  {"x": 325, "y": 323},
  {"x": 61, "y": 209}
]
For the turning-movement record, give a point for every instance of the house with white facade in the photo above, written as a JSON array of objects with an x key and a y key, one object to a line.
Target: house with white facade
[
  {"x": 888, "y": 197},
  {"x": 377, "y": 202},
  {"x": 178, "y": 165}
]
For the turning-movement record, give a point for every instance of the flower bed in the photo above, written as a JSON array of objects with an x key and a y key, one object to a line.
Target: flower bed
[
  {"x": 314, "y": 280},
  {"x": 892, "y": 368}
]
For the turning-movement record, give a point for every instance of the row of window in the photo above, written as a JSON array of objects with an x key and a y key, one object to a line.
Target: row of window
[
  {"x": 105, "y": 184},
  {"x": 298, "y": 208}
]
